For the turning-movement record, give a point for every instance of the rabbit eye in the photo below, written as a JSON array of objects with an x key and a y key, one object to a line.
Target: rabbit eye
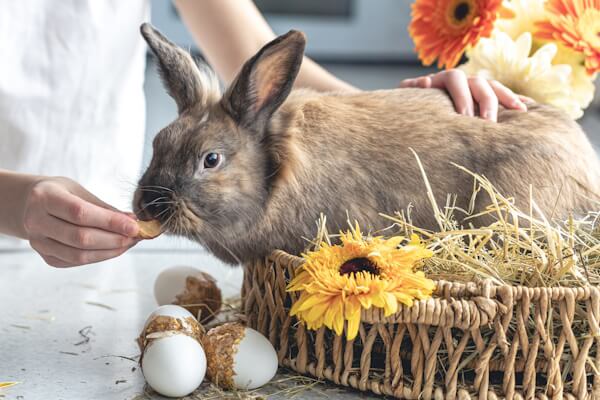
[{"x": 212, "y": 160}]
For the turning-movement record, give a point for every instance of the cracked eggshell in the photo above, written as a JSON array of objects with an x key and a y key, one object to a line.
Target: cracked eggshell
[
  {"x": 239, "y": 357},
  {"x": 195, "y": 290},
  {"x": 169, "y": 310},
  {"x": 170, "y": 282}
]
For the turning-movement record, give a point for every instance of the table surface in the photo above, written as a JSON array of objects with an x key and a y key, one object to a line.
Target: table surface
[{"x": 69, "y": 333}]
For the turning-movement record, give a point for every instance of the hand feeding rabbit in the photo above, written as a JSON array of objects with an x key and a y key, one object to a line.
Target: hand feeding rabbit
[{"x": 250, "y": 170}]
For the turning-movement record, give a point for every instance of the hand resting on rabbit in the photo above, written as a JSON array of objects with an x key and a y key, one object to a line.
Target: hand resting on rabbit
[{"x": 250, "y": 170}]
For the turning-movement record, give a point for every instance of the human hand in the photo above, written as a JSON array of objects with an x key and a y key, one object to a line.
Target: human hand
[
  {"x": 467, "y": 92},
  {"x": 68, "y": 226}
]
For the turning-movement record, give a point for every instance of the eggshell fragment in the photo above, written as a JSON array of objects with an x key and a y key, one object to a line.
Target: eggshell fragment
[
  {"x": 169, "y": 310},
  {"x": 239, "y": 357},
  {"x": 195, "y": 290},
  {"x": 170, "y": 282},
  {"x": 149, "y": 229}
]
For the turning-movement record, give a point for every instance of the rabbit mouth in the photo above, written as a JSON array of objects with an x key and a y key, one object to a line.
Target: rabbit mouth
[
  {"x": 175, "y": 214},
  {"x": 184, "y": 220}
]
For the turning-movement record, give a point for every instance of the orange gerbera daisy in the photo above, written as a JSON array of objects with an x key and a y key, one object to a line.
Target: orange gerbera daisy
[
  {"x": 444, "y": 29},
  {"x": 575, "y": 24}
]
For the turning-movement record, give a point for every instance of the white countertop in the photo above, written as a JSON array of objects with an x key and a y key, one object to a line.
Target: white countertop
[{"x": 44, "y": 310}]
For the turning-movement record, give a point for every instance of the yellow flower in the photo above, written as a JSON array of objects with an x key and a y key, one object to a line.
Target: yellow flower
[
  {"x": 535, "y": 76},
  {"x": 582, "y": 83},
  {"x": 526, "y": 14},
  {"x": 337, "y": 282},
  {"x": 575, "y": 24}
]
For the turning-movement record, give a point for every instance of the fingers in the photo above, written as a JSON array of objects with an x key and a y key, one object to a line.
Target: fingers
[
  {"x": 507, "y": 97},
  {"x": 75, "y": 210},
  {"x": 468, "y": 92},
  {"x": 83, "y": 237},
  {"x": 423, "y": 82},
  {"x": 484, "y": 95},
  {"x": 455, "y": 82},
  {"x": 55, "y": 262},
  {"x": 526, "y": 100},
  {"x": 59, "y": 255}
]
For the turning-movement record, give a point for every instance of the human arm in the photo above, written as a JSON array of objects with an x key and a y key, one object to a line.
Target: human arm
[
  {"x": 62, "y": 221},
  {"x": 231, "y": 31}
]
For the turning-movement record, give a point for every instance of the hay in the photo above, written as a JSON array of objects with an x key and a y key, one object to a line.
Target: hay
[
  {"x": 526, "y": 281},
  {"x": 518, "y": 248}
]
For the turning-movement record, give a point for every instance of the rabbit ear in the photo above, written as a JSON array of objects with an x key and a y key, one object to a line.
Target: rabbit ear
[
  {"x": 265, "y": 81},
  {"x": 186, "y": 84}
]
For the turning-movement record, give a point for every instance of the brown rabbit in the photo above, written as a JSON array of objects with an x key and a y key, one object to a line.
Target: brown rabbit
[{"x": 250, "y": 170}]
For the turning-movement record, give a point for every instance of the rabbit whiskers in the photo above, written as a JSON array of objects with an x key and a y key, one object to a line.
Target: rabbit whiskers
[{"x": 183, "y": 221}]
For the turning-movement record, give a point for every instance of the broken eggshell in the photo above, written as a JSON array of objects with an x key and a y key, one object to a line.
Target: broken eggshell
[
  {"x": 195, "y": 290},
  {"x": 173, "y": 361},
  {"x": 239, "y": 357}
]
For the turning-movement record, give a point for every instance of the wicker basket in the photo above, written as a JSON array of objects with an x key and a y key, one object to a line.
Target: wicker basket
[{"x": 469, "y": 341}]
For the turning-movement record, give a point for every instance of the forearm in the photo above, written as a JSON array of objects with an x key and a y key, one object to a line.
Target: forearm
[
  {"x": 231, "y": 31},
  {"x": 13, "y": 194}
]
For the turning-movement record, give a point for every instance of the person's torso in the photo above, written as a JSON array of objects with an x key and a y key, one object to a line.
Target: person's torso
[{"x": 71, "y": 91}]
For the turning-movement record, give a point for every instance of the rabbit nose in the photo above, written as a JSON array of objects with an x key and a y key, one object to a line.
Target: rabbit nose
[{"x": 154, "y": 203}]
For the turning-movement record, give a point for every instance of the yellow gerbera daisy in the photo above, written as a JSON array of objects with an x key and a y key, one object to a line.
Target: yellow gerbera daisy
[
  {"x": 582, "y": 84},
  {"x": 338, "y": 281},
  {"x": 528, "y": 13},
  {"x": 509, "y": 62},
  {"x": 575, "y": 24}
]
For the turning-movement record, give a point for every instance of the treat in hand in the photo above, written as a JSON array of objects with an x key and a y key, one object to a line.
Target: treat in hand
[{"x": 149, "y": 229}]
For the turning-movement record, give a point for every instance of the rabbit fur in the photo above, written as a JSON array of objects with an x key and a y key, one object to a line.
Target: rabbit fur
[{"x": 286, "y": 156}]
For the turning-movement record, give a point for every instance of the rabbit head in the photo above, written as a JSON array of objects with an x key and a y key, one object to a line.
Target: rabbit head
[{"x": 211, "y": 168}]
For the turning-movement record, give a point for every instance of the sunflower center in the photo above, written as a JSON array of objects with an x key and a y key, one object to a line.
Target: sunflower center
[
  {"x": 361, "y": 264},
  {"x": 461, "y": 11}
]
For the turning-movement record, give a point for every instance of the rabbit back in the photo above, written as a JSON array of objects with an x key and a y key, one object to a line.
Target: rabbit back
[{"x": 349, "y": 155}]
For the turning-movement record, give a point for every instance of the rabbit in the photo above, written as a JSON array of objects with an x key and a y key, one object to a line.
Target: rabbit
[{"x": 250, "y": 170}]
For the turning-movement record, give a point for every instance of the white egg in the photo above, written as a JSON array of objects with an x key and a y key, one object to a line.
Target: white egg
[
  {"x": 174, "y": 366},
  {"x": 239, "y": 357},
  {"x": 171, "y": 282},
  {"x": 169, "y": 310},
  {"x": 255, "y": 362}
]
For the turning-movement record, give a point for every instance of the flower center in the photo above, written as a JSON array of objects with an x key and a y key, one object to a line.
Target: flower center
[
  {"x": 361, "y": 264},
  {"x": 461, "y": 11}
]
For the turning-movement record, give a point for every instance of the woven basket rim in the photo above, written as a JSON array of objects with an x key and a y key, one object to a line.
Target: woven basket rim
[{"x": 459, "y": 304}]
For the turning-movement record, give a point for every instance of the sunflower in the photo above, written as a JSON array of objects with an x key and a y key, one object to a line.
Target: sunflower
[
  {"x": 338, "y": 281},
  {"x": 444, "y": 29},
  {"x": 575, "y": 24},
  {"x": 509, "y": 62}
]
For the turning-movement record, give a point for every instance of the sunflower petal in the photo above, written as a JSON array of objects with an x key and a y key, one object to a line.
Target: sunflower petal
[{"x": 353, "y": 324}]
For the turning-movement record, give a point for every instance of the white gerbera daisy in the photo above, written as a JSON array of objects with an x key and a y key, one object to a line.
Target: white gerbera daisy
[{"x": 509, "y": 62}]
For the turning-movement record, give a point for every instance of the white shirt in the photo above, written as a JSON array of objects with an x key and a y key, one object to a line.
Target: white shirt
[{"x": 71, "y": 92}]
